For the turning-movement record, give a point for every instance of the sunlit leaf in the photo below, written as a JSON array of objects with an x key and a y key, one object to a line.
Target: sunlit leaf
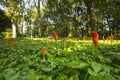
[
  {"x": 77, "y": 64},
  {"x": 96, "y": 67},
  {"x": 62, "y": 77},
  {"x": 91, "y": 72},
  {"x": 74, "y": 77}
]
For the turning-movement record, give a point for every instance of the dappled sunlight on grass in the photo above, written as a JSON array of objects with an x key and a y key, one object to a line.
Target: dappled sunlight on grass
[{"x": 110, "y": 42}]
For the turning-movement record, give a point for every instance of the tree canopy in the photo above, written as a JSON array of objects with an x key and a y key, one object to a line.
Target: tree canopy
[
  {"x": 5, "y": 22},
  {"x": 76, "y": 17}
]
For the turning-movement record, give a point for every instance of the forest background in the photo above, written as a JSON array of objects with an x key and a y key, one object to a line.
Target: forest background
[{"x": 76, "y": 18}]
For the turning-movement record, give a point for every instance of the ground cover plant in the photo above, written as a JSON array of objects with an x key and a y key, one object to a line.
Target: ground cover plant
[{"x": 63, "y": 59}]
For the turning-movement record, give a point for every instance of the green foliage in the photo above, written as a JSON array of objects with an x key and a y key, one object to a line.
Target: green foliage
[
  {"x": 7, "y": 33},
  {"x": 74, "y": 63},
  {"x": 5, "y": 22},
  {"x": 76, "y": 16}
]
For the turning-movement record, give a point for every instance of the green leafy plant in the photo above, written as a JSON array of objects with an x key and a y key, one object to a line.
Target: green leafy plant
[{"x": 75, "y": 63}]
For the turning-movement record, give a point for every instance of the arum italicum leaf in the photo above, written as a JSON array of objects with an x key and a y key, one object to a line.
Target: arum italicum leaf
[
  {"x": 46, "y": 68},
  {"x": 77, "y": 64},
  {"x": 32, "y": 74},
  {"x": 91, "y": 72},
  {"x": 62, "y": 77},
  {"x": 97, "y": 77},
  {"x": 74, "y": 77},
  {"x": 11, "y": 75},
  {"x": 40, "y": 76},
  {"x": 96, "y": 67}
]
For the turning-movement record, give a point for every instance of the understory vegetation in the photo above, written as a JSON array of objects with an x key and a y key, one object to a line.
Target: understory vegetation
[{"x": 69, "y": 60}]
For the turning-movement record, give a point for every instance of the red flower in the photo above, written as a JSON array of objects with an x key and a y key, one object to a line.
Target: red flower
[
  {"x": 95, "y": 37},
  {"x": 54, "y": 35},
  {"x": 108, "y": 36},
  {"x": 13, "y": 43},
  {"x": 8, "y": 40},
  {"x": 112, "y": 36},
  {"x": 43, "y": 51}
]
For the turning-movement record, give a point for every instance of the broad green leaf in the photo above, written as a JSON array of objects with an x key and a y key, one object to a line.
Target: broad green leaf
[
  {"x": 62, "y": 77},
  {"x": 91, "y": 72},
  {"x": 2, "y": 76},
  {"x": 74, "y": 77},
  {"x": 11, "y": 75},
  {"x": 96, "y": 67},
  {"x": 97, "y": 77},
  {"x": 46, "y": 68},
  {"x": 108, "y": 77},
  {"x": 31, "y": 75},
  {"x": 1, "y": 68},
  {"x": 53, "y": 64},
  {"x": 106, "y": 69},
  {"x": 77, "y": 64},
  {"x": 41, "y": 77},
  {"x": 49, "y": 77}
]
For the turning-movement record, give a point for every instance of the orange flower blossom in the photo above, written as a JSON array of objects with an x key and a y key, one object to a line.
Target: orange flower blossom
[
  {"x": 95, "y": 37},
  {"x": 112, "y": 36},
  {"x": 54, "y": 34},
  {"x": 13, "y": 43},
  {"x": 43, "y": 51},
  {"x": 8, "y": 40}
]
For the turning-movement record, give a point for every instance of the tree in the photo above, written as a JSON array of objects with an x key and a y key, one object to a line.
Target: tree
[
  {"x": 5, "y": 22},
  {"x": 13, "y": 11},
  {"x": 78, "y": 17}
]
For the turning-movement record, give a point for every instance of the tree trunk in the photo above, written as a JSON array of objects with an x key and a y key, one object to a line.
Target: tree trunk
[
  {"x": 38, "y": 13},
  {"x": 91, "y": 25},
  {"x": 39, "y": 25},
  {"x": 14, "y": 30}
]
